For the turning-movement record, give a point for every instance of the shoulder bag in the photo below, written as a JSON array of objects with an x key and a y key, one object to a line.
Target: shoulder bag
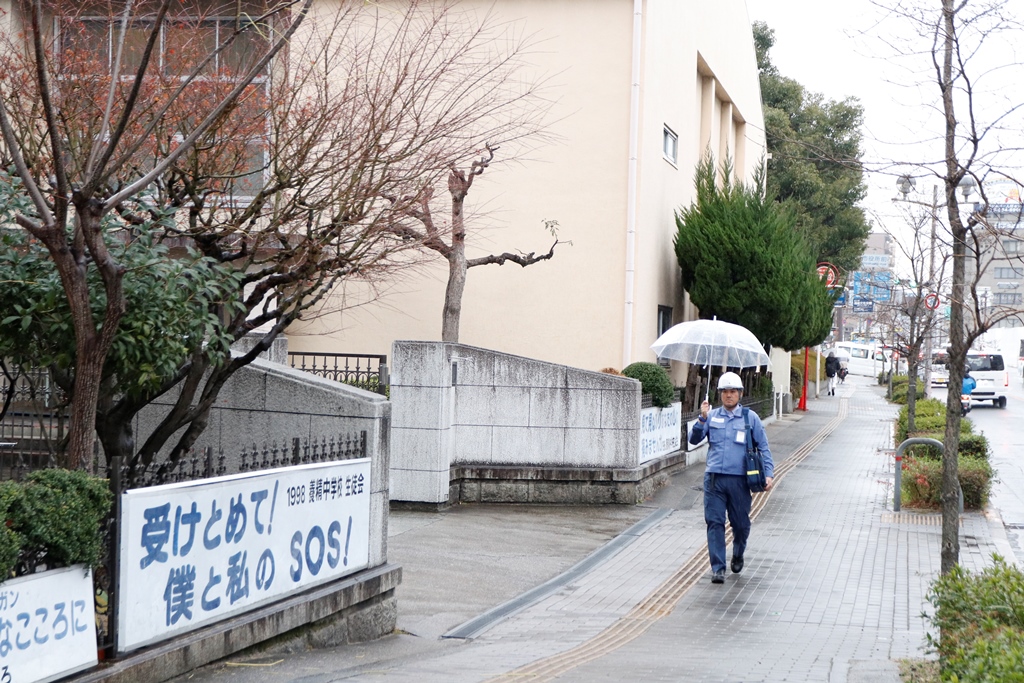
[{"x": 755, "y": 463}]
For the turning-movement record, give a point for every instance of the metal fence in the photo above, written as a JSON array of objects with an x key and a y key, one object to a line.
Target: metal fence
[
  {"x": 363, "y": 370},
  {"x": 34, "y": 422}
]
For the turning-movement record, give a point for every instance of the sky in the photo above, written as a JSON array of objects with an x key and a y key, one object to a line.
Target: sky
[{"x": 850, "y": 48}]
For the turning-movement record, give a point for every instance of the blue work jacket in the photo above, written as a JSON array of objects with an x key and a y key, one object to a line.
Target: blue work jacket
[{"x": 726, "y": 454}]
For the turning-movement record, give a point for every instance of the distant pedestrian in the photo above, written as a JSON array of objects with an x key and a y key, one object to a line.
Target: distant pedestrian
[
  {"x": 725, "y": 477},
  {"x": 832, "y": 367}
]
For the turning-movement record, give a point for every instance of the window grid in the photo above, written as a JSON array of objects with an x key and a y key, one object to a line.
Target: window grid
[{"x": 99, "y": 34}]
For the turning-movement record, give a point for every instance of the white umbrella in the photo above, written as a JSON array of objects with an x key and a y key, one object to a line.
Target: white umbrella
[{"x": 711, "y": 342}]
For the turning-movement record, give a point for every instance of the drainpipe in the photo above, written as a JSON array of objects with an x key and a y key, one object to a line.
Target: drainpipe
[{"x": 634, "y": 136}]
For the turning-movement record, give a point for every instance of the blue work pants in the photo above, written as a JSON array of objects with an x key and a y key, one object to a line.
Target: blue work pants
[{"x": 726, "y": 494}]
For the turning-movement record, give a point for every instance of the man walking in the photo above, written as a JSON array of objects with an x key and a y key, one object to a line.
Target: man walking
[{"x": 725, "y": 478}]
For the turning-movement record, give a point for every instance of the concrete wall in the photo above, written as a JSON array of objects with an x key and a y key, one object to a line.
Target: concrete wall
[
  {"x": 268, "y": 403},
  {"x": 460, "y": 405}
]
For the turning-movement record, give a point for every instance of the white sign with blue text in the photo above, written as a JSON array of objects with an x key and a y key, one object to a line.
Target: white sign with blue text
[
  {"x": 47, "y": 625},
  {"x": 195, "y": 553},
  {"x": 660, "y": 431}
]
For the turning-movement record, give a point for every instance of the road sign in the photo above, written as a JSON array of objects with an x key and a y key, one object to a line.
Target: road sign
[
  {"x": 828, "y": 273},
  {"x": 931, "y": 301},
  {"x": 863, "y": 306}
]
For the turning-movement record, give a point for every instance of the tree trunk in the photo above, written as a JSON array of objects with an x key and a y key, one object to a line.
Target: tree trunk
[
  {"x": 453, "y": 293},
  {"x": 911, "y": 390},
  {"x": 458, "y": 185},
  {"x": 958, "y": 351},
  {"x": 81, "y": 433}
]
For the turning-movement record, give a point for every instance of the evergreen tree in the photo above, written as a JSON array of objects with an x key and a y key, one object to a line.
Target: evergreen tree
[
  {"x": 814, "y": 165},
  {"x": 743, "y": 261}
]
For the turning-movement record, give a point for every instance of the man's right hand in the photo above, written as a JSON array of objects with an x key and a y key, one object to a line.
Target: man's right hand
[{"x": 705, "y": 408}]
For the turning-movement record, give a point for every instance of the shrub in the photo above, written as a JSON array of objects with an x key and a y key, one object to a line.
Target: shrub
[
  {"x": 57, "y": 515},
  {"x": 796, "y": 381},
  {"x": 974, "y": 446},
  {"x": 981, "y": 621},
  {"x": 922, "y": 482},
  {"x": 929, "y": 417},
  {"x": 10, "y": 540},
  {"x": 900, "y": 385},
  {"x": 797, "y": 362},
  {"x": 653, "y": 380}
]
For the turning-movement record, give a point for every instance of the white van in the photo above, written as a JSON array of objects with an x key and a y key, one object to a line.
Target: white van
[
  {"x": 992, "y": 377},
  {"x": 864, "y": 359},
  {"x": 987, "y": 369}
]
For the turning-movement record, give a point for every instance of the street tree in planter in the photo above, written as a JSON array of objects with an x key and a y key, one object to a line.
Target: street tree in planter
[{"x": 954, "y": 46}]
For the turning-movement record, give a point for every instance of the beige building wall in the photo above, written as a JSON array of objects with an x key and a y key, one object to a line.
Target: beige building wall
[{"x": 697, "y": 76}]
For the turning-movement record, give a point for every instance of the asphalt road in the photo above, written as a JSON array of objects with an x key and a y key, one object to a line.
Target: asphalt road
[{"x": 1005, "y": 431}]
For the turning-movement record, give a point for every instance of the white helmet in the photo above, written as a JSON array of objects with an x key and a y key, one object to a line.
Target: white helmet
[{"x": 730, "y": 380}]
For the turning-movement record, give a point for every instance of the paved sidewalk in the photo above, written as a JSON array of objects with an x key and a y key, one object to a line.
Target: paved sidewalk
[{"x": 833, "y": 588}]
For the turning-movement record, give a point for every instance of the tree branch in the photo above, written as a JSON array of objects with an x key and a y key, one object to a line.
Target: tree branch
[{"x": 520, "y": 258}]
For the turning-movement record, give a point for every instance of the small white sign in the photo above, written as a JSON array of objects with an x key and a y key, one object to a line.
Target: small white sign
[
  {"x": 47, "y": 625},
  {"x": 660, "y": 431},
  {"x": 196, "y": 553},
  {"x": 869, "y": 261}
]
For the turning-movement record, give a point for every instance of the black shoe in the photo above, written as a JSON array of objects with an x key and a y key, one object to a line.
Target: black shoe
[
  {"x": 737, "y": 565},
  {"x": 718, "y": 577}
]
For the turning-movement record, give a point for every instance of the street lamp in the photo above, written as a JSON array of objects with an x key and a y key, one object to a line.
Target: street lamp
[{"x": 906, "y": 184}]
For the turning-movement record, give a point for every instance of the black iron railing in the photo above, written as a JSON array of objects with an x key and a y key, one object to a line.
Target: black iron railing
[
  {"x": 364, "y": 370},
  {"x": 33, "y": 419}
]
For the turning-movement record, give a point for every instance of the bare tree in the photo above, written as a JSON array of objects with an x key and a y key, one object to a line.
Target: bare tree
[
  {"x": 426, "y": 231},
  {"x": 273, "y": 154},
  {"x": 911, "y": 315},
  {"x": 980, "y": 122}
]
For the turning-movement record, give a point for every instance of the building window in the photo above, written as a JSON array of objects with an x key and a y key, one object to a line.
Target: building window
[
  {"x": 664, "y": 324},
  {"x": 670, "y": 146},
  {"x": 1009, "y": 273},
  {"x": 1007, "y": 299},
  {"x": 183, "y": 42},
  {"x": 237, "y": 164},
  {"x": 1011, "y": 246}
]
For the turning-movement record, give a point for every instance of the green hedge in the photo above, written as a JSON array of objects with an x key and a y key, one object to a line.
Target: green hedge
[
  {"x": 981, "y": 620},
  {"x": 900, "y": 385},
  {"x": 53, "y": 517},
  {"x": 654, "y": 380},
  {"x": 929, "y": 416},
  {"x": 922, "y": 482}
]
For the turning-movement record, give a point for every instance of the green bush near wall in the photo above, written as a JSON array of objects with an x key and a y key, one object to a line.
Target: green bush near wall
[
  {"x": 53, "y": 517},
  {"x": 654, "y": 380}
]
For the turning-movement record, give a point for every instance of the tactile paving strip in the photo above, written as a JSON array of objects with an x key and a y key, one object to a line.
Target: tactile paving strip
[{"x": 664, "y": 598}]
